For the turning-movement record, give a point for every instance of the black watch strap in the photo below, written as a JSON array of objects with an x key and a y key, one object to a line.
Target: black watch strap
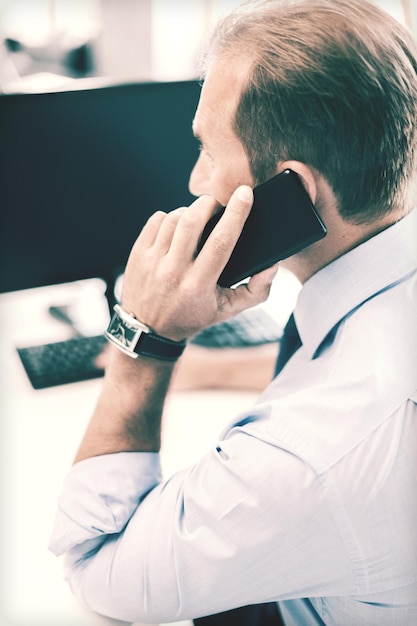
[{"x": 150, "y": 344}]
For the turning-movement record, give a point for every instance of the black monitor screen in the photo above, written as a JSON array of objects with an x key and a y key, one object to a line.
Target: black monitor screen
[{"x": 81, "y": 171}]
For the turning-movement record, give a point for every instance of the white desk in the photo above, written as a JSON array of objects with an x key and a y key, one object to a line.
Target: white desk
[{"x": 40, "y": 433}]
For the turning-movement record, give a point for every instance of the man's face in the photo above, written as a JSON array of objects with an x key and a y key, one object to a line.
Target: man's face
[{"x": 222, "y": 165}]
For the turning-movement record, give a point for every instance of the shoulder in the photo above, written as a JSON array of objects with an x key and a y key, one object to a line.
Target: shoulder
[{"x": 320, "y": 408}]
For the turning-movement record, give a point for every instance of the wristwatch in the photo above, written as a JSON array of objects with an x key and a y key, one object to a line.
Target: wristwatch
[{"x": 134, "y": 338}]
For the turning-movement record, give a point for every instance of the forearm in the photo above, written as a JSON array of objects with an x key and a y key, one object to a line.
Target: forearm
[
  {"x": 175, "y": 294},
  {"x": 127, "y": 417}
]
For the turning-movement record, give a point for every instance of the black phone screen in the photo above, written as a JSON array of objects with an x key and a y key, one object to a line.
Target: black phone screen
[{"x": 282, "y": 221}]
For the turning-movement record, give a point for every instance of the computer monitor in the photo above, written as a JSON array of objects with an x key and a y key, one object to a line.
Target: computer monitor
[{"x": 81, "y": 171}]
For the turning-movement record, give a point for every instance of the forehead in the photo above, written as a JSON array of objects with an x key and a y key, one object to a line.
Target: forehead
[{"x": 218, "y": 100}]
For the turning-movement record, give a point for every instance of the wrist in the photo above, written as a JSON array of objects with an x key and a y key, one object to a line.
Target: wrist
[{"x": 134, "y": 338}]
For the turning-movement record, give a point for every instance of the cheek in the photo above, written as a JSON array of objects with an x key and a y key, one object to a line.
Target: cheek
[
  {"x": 223, "y": 187},
  {"x": 225, "y": 181},
  {"x": 214, "y": 181},
  {"x": 219, "y": 178}
]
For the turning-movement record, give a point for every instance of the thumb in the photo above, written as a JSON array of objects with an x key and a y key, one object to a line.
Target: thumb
[{"x": 255, "y": 291}]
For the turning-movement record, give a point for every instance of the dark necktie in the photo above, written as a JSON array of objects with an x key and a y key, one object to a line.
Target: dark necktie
[{"x": 290, "y": 342}]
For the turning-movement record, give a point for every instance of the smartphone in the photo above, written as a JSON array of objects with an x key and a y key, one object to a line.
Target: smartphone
[{"x": 282, "y": 221}]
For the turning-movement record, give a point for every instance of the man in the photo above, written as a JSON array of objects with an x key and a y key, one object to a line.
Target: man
[{"x": 308, "y": 499}]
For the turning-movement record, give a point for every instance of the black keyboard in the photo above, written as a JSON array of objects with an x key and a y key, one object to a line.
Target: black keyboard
[{"x": 63, "y": 362}]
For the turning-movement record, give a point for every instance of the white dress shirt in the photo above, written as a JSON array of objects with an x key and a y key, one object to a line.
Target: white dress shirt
[{"x": 309, "y": 498}]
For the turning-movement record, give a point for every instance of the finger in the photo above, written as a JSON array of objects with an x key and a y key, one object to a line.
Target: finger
[
  {"x": 260, "y": 284},
  {"x": 250, "y": 294},
  {"x": 190, "y": 226},
  {"x": 149, "y": 232},
  {"x": 219, "y": 245},
  {"x": 167, "y": 229}
]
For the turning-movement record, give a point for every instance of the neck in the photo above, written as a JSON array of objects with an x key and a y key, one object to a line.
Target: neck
[{"x": 341, "y": 237}]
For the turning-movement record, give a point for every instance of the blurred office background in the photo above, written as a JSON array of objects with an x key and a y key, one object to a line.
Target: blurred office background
[{"x": 47, "y": 44}]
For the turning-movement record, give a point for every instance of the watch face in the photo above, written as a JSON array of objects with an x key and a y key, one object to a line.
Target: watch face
[
  {"x": 122, "y": 331},
  {"x": 125, "y": 331}
]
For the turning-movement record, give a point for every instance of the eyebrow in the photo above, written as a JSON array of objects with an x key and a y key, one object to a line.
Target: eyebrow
[{"x": 204, "y": 139}]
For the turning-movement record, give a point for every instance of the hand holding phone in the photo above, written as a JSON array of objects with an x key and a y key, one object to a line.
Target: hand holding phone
[{"x": 282, "y": 222}]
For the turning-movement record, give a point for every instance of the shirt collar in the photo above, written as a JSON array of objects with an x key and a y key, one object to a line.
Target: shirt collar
[{"x": 346, "y": 283}]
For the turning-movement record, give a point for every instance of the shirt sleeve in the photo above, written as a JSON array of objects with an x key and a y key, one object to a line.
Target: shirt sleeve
[
  {"x": 99, "y": 496},
  {"x": 225, "y": 532}
]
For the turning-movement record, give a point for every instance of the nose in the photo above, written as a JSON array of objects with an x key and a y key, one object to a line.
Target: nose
[{"x": 199, "y": 182}]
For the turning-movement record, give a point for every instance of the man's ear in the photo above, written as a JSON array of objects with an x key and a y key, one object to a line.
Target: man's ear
[{"x": 306, "y": 174}]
